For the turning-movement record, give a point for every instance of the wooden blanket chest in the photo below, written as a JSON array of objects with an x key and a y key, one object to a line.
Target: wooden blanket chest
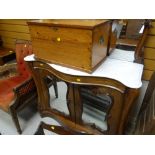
[{"x": 79, "y": 44}]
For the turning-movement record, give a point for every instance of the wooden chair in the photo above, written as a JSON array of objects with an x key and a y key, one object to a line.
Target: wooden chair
[
  {"x": 132, "y": 28},
  {"x": 142, "y": 121},
  {"x": 130, "y": 34},
  {"x": 128, "y": 52},
  {"x": 18, "y": 91}
]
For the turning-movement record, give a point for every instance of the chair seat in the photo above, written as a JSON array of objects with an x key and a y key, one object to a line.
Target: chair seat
[
  {"x": 122, "y": 55},
  {"x": 7, "y": 95},
  {"x": 128, "y": 42}
]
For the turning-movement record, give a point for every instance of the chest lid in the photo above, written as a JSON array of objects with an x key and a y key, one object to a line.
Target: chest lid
[{"x": 72, "y": 23}]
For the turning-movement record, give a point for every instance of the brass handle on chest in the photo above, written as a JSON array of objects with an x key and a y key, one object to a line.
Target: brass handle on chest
[{"x": 101, "y": 40}]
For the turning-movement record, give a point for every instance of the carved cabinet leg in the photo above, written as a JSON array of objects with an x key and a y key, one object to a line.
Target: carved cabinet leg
[
  {"x": 129, "y": 100},
  {"x": 114, "y": 115},
  {"x": 74, "y": 103},
  {"x": 70, "y": 101},
  {"x": 78, "y": 104}
]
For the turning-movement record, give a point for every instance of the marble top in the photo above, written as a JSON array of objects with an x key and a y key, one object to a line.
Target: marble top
[
  {"x": 123, "y": 55},
  {"x": 126, "y": 72}
]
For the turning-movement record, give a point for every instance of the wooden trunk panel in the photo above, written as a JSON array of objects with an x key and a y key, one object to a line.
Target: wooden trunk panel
[
  {"x": 69, "y": 23},
  {"x": 65, "y": 34},
  {"x": 66, "y": 54},
  {"x": 71, "y": 44},
  {"x": 100, "y": 43}
]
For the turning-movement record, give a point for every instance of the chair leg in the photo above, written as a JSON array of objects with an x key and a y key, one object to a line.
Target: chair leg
[
  {"x": 15, "y": 119},
  {"x": 55, "y": 88}
]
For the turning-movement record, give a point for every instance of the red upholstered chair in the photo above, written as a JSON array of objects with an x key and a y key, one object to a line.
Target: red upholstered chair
[{"x": 19, "y": 90}]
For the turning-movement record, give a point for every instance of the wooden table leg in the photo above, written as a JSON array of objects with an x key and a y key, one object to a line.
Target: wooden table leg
[
  {"x": 78, "y": 104},
  {"x": 70, "y": 101}
]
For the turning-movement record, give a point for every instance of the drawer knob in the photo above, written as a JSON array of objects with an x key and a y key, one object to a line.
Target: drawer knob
[{"x": 58, "y": 39}]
